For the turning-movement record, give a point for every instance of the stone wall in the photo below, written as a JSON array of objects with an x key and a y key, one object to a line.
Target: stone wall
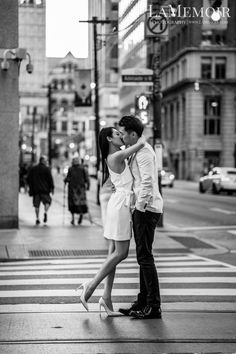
[{"x": 9, "y": 117}]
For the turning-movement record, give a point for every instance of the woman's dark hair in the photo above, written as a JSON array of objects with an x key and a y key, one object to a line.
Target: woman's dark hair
[
  {"x": 104, "y": 147},
  {"x": 132, "y": 124}
]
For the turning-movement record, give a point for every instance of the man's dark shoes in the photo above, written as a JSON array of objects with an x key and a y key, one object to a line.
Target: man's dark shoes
[
  {"x": 37, "y": 222},
  {"x": 45, "y": 219},
  {"x": 134, "y": 307},
  {"x": 147, "y": 313}
]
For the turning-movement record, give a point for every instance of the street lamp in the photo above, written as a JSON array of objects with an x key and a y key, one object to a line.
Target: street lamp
[{"x": 198, "y": 83}]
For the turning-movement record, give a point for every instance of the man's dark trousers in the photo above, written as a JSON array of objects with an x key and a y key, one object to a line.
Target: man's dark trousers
[{"x": 144, "y": 224}]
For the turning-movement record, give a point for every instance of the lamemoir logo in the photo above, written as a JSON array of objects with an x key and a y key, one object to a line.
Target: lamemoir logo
[{"x": 214, "y": 10}]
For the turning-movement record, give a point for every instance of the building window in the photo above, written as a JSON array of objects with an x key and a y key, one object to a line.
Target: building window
[
  {"x": 114, "y": 7},
  {"x": 64, "y": 126},
  {"x": 212, "y": 111},
  {"x": 75, "y": 126},
  {"x": 206, "y": 67},
  {"x": 220, "y": 67}
]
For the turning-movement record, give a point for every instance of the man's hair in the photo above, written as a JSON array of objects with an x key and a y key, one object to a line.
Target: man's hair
[
  {"x": 132, "y": 124},
  {"x": 42, "y": 159}
]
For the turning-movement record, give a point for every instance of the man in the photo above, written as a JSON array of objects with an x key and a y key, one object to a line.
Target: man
[
  {"x": 40, "y": 186},
  {"x": 147, "y": 211}
]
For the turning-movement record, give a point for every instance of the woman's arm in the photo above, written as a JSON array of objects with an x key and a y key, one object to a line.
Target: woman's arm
[{"x": 124, "y": 154}]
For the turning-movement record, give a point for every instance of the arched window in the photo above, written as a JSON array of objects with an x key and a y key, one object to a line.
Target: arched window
[
  {"x": 70, "y": 84},
  {"x": 64, "y": 105},
  {"x": 62, "y": 84}
]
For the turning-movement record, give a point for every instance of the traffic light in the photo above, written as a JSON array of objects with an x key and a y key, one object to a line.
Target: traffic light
[{"x": 142, "y": 104}]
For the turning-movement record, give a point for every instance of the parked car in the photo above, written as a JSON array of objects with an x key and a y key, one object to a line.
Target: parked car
[
  {"x": 167, "y": 178},
  {"x": 219, "y": 179}
]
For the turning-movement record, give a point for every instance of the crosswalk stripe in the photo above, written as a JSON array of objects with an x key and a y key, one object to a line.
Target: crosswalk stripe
[
  {"x": 121, "y": 265},
  {"x": 120, "y": 271},
  {"x": 116, "y": 292},
  {"x": 133, "y": 280},
  {"x": 183, "y": 277},
  {"x": 98, "y": 259}
]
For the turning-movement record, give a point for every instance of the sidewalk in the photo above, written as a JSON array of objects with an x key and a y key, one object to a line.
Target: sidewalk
[{"x": 59, "y": 235}]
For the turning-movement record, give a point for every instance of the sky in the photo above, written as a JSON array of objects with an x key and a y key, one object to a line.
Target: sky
[{"x": 64, "y": 33}]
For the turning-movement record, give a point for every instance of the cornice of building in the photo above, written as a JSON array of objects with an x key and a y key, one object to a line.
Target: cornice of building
[
  {"x": 190, "y": 82},
  {"x": 205, "y": 50}
]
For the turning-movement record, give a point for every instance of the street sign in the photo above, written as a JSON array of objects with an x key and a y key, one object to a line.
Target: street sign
[
  {"x": 137, "y": 76},
  {"x": 156, "y": 25}
]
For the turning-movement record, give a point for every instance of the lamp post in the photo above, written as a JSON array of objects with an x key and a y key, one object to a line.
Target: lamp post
[
  {"x": 49, "y": 95},
  {"x": 95, "y": 21},
  {"x": 198, "y": 83},
  {"x": 33, "y": 134}
]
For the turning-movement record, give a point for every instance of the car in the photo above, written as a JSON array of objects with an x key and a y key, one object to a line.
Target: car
[
  {"x": 219, "y": 179},
  {"x": 167, "y": 178}
]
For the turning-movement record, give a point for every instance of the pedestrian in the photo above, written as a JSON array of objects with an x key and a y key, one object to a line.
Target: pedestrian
[
  {"x": 41, "y": 184},
  {"x": 78, "y": 182},
  {"x": 147, "y": 211},
  {"x": 118, "y": 221}
]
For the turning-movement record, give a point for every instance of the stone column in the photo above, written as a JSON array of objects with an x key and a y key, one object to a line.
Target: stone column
[{"x": 9, "y": 117}]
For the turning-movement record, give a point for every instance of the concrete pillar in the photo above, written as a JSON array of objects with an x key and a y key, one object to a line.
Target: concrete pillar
[{"x": 9, "y": 117}]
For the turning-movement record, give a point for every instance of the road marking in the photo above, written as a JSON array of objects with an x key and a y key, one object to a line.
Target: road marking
[
  {"x": 133, "y": 280},
  {"x": 233, "y": 232},
  {"x": 117, "y": 292},
  {"x": 196, "y": 228},
  {"x": 224, "y": 211},
  {"x": 94, "y": 260},
  {"x": 93, "y": 266}
]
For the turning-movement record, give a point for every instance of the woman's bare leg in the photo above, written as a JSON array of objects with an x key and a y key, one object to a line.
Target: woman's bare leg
[
  {"x": 120, "y": 253},
  {"x": 108, "y": 283}
]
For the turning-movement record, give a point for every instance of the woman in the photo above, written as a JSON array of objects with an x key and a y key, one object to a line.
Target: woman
[
  {"x": 117, "y": 228},
  {"x": 78, "y": 182}
]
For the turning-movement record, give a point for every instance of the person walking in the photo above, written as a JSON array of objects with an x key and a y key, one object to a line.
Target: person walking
[
  {"x": 78, "y": 182},
  {"x": 41, "y": 184},
  {"x": 147, "y": 211},
  {"x": 117, "y": 228}
]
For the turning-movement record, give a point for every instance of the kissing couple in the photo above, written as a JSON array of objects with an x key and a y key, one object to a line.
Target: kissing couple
[{"x": 135, "y": 205}]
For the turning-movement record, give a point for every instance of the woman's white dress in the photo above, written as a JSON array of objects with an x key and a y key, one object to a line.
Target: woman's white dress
[{"x": 118, "y": 225}]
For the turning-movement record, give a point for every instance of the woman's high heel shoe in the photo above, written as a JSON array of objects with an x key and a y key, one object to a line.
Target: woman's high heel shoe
[
  {"x": 82, "y": 296},
  {"x": 110, "y": 313}
]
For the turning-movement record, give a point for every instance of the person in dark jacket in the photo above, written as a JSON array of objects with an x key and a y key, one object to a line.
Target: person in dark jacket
[
  {"x": 78, "y": 182},
  {"x": 41, "y": 184}
]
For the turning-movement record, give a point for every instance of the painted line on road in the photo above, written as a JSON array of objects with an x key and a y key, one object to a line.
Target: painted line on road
[
  {"x": 124, "y": 271},
  {"x": 97, "y": 265},
  {"x": 233, "y": 232},
  {"x": 93, "y": 260},
  {"x": 200, "y": 228},
  {"x": 117, "y": 292},
  {"x": 133, "y": 280},
  {"x": 224, "y": 211},
  {"x": 78, "y": 307}
]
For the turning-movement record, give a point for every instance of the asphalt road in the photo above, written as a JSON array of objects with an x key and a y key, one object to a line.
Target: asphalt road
[{"x": 185, "y": 207}]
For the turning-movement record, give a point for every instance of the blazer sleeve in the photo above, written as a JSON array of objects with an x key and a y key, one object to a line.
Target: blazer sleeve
[{"x": 146, "y": 170}]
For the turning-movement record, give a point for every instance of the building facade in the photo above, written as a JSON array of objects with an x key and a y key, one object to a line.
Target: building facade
[
  {"x": 198, "y": 73},
  {"x": 198, "y": 64},
  {"x": 107, "y": 45},
  {"x": 71, "y": 130},
  {"x": 134, "y": 54},
  {"x": 32, "y": 91},
  {"x": 9, "y": 116}
]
